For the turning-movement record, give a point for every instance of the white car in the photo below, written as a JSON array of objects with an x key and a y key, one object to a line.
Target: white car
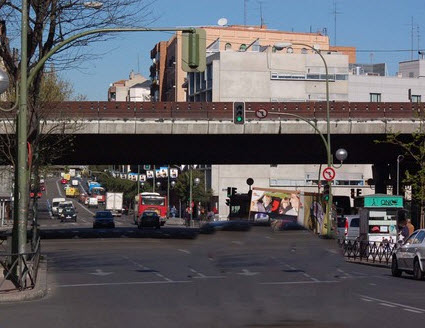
[
  {"x": 55, "y": 205},
  {"x": 410, "y": 256}
]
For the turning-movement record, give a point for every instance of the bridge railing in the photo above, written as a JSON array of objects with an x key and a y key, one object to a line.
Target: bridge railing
[{"x": 94, "y": 110}]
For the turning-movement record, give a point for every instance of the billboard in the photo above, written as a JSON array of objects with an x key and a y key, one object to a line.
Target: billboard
[
  {"x": 149, "y": 174},
  {"x": 174, "y": 173},
  {"x": 280, "y": 208},
  {"x": 287, "y": 209}
]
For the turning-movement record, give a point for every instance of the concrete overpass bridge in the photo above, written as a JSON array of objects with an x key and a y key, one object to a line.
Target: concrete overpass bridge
[{"x": 144, "y": 132}]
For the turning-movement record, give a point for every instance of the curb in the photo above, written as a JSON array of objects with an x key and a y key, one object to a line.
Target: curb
[
  {"x": 378, "y": 265},
  {"x": 39, "y": 291}
]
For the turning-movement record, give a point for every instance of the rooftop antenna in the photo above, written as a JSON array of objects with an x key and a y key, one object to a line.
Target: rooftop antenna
[
  {"x": 411, "y": 52},
  {"x": 335, "y": 13},
  {"x": 419, "y": 39},
  {"x": 261, "y": 14},
  {"x": 245, "y": 2},
  {"x": 138, "y": 63}
]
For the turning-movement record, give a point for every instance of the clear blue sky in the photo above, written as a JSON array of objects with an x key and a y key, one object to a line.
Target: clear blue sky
[{"x": 372, "y": 26}]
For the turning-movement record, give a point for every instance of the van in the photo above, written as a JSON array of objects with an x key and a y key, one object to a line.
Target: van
[
  {"x": 348, "y": 227},
  {"x": 55, "y": 205}
]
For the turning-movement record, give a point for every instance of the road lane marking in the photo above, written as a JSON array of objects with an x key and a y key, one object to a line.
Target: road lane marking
[
  {"x": 100, "y": 272},
  {"x": 414, "y": 311},
  {"x": 126, "y": 283},
  {"x": 143, "y": 267},
  {"x": 184, "y": 251},
  {"x": 202, "y": 276},
  {"x": 246, "y": 272},
  {"x": 392, "y": 303},
  {"x": 386, "y": 304},
  {"x": 299, "y": 282},
  {"x": 237, "y": 242},
  {"x": 366, "y": 300}
]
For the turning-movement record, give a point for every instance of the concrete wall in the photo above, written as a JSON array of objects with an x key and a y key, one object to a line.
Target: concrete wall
[
  {"x": 292, "y": 177},
  {"x": 391, "y": 88},
  {"x": 247, "y": 76},
  {"x": 412, "y": 68}
]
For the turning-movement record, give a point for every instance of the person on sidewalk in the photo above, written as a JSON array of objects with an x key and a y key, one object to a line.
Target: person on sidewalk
[
  {"x": 410, "y": 226},
  {"x": 173, "y": 211}
]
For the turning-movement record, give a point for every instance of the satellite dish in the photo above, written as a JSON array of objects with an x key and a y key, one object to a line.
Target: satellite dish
[{"x": 222, "y": 21}]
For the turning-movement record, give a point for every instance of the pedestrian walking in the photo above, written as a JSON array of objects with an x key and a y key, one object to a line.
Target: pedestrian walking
[{"x": 173, "y": 211}]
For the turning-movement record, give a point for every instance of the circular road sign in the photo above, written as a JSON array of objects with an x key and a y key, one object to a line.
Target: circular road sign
[
  {"x": 261, "y": 113},
  {"x": 329, "y": 174}
]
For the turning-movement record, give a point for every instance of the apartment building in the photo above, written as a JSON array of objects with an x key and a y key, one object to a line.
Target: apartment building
[
  {"x": 136, "y": 88},
  {"x": 170, "y": 82}
]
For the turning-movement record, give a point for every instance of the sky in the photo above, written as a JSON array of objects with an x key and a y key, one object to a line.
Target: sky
[{"x": 381, "y": 30}]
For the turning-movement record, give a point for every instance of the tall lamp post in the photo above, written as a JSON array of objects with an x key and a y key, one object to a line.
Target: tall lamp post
[
  {"x": 280, "y": 46},
  {"x": 399, "y": 159}
]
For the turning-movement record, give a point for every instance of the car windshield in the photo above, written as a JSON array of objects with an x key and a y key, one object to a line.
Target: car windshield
[
  {"x": 103, "y": 215},
  {"x": 153, "y": 201},
  {"x": 149, "y": 214}
]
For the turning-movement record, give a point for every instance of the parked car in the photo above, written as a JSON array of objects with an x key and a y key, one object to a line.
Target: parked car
[
  {"x": 64, "y": 181},
  {"x": 68, "y": 213},
  {"x": 149, "y": 219},
  {"x": 348, "y": 227},
  {"x": 409, "y": 257},
  {"x": 103, "y": 219}
]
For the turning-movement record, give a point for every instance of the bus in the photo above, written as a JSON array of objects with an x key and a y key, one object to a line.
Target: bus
[
  {"x": 150, "y": 201},
  {"x": 100, "y": 194}
]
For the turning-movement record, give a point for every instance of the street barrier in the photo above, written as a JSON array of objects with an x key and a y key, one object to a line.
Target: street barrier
[
  {"x": 365, "y": 251},
  {"x": 20, "y": 269}
]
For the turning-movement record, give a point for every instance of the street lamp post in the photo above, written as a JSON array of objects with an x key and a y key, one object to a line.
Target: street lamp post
[
  {"x": 399, "y": 159},
  {"x": 280, "y": 46}
]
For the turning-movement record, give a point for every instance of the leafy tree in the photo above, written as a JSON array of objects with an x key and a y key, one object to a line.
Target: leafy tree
[
  {"x": 199, "y": 194},
  {"x": 414, "y": 149}
]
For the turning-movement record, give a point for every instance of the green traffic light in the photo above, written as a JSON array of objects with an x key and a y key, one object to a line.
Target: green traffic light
[{"x": 239, "y": 119}]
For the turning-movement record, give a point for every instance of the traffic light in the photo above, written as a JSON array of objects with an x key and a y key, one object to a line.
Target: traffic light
[
  {"x": 352, "y": 193},
  {"x": 359, "y": 192},
  {"x": 194, "y": 50},
  {"x": 326, "y": 192},
  {"x": 234, "y": 191},
  {"x": 227, "y": 201},
  {"x": 229, "y": 191},
  {"x": 239, "y": 112}
]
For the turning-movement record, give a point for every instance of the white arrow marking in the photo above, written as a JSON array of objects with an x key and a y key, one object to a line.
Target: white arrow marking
[
  {"x": 246, "y": 272},
  {"x": 100, "y": 272}
]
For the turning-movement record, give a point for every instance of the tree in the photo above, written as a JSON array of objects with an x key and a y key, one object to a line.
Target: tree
[
  {"x": 414, "y": 149},
  {"x": 199, "y": 194}
]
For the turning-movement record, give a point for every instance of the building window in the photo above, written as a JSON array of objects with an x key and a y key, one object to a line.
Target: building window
[
  {"x": 304, "y": 51},
  {"x": 415, "y": 99},
  {"x": 375, "y": 97},
  {"x": 228, "y": 46},
  {"x": 242, "y": 47},
  {"x": 113, "y": 95},
  {"x": 289, "y": 50}
]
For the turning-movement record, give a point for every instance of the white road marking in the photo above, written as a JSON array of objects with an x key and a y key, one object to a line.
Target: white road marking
[
  {"x": 246, "y": 272},
  {"x": 392, "y": 303},
  {"x": 100, "y": 272},
  {"x": 184, "y": 251},
  {"x": 202, "y": 276},
  {"x": 366, "y": 300},
  {"x": 126, "y": 283},
  {"x": 237, "y": 242},
  {"x": 414, "y": 311},
  {"x": 386, "y": 304},
  {"x": 299, "y": 282},
  {"x": 332, "y": 251},
  {"x": 147, "y": 268}
]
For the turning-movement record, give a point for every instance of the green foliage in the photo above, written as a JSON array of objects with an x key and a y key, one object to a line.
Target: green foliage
[
  {"x": 128, "y": 187},
  {"x": 199, "y": 194},
  {"x": 414, "y": 149}
]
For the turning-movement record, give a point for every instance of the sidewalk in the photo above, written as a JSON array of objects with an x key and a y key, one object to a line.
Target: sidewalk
[{"x": 9, "y": 294}]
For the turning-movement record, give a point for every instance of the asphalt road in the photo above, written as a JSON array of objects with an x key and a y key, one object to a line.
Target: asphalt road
[{"x": 228, "y": 279}]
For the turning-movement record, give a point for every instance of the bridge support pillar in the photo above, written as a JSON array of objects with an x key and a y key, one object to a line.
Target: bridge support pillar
[{"x": 381, "y": 174}]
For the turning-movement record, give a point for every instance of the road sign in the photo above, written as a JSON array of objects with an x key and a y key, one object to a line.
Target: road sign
[
  {"x": 329, "y": 174},
  {"x": 261, "y": 113}
]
